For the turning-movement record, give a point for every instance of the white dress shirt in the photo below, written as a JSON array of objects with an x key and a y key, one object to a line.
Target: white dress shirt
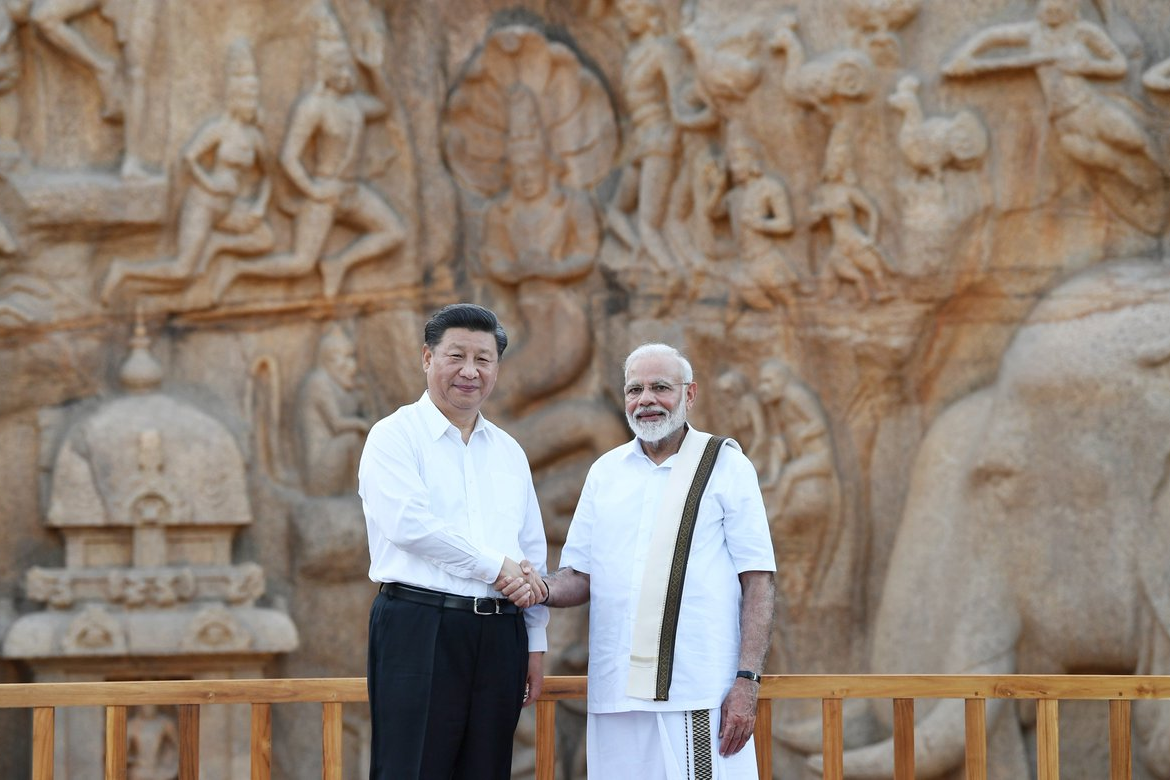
[
  {"x": 609, "y": 540},
  {"x": 442, "y": 514}
]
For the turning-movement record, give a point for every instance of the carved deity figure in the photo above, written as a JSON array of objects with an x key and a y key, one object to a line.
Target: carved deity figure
[
  {"x": 873, "y": 23},
  {"x": 1065, "y": 51},
  {"x": 331, "y": 118},
  {"x": 798, "y": 479},
  {"x": 657, "y": 108},
  {"x": 223, "y": 210},
  {"x": 122, "y": 84},
  {"x": 760, "y": 213},
  {"x": 153, "y": 745},
  {"x": 332, "y": 421},
  {"x": 540, "y": 236},
  {"x": 854, "y": 255}
]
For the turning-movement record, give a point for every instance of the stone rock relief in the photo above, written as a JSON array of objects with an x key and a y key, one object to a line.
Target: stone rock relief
[{"x": 842, "y": 210}]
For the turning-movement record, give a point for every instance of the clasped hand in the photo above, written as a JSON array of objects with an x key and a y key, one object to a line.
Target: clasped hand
[{"x": 520, "y": 583}]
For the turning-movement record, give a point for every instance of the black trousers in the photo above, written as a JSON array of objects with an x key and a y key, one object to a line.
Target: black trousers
[{"x": 446, "y": 687}]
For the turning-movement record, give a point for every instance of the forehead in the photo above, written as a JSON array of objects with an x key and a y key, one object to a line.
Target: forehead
[
  {"x": 650, "y": 367},
  {"x": 467, "y": 340}
]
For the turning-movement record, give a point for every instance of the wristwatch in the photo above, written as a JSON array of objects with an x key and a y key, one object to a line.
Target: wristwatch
[{"x": 748, "y": 675}]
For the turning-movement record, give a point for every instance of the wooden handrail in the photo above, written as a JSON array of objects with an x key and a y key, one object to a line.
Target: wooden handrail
[{"x": 188, "y": 695}]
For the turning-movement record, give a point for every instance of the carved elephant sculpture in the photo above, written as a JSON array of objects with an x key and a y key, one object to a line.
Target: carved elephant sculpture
[{"x": 1036, "y": 535}]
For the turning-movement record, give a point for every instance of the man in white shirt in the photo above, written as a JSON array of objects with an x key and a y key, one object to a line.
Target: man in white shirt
[
  {"x": 451, "y": 515},
  {"x": 683, "y": 706}
]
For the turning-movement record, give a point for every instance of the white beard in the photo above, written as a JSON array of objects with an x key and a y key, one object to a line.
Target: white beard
[{"x": 654, "y": 432}]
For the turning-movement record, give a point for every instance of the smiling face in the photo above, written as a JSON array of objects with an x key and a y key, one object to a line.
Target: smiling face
[
  {"x": 655, "y": 415},
  {"x": 461, "y": 371}
]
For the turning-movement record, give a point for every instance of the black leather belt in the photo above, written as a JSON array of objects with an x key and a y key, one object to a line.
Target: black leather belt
[{"x": 483, "y": 605}]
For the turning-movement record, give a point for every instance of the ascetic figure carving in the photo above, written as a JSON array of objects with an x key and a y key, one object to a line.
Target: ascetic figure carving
[
  {"x": 332, "y": 118},
  {"x": 153, "y": 750},
  {"x": 223, "y": 211}
]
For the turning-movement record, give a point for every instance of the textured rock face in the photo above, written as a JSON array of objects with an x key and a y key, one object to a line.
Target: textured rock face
[{"x": 843, "y": 211}]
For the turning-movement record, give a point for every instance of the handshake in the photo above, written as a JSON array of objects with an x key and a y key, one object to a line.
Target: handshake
[{"x": 521, "y": 583}]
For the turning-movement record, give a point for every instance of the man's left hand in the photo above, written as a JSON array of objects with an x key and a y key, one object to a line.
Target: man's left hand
[{"x": 738, "y": 716}]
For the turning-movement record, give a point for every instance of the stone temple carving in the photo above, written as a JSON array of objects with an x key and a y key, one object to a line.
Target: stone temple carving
[
  {"x": 1051, "y": 480},
  {"x": 1065, "y": 52},
  {"x": 224, "y": 208},
  {"x": 147, "y": 492},
  {"x": 332, "y": 116}
]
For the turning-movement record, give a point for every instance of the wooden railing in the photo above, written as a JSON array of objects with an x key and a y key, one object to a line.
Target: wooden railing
[{"x": 1120, "y": 691}]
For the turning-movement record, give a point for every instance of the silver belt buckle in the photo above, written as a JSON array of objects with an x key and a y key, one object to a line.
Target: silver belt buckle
[{"x": 495, "y": 605}]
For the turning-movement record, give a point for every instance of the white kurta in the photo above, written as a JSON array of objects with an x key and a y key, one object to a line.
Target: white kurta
[{"x": 609, "y": 540}]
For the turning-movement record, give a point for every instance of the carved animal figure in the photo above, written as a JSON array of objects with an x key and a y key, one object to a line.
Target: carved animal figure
[
  {"x": 1037, "y": 525},
  {"x": 933, "y": 143}
]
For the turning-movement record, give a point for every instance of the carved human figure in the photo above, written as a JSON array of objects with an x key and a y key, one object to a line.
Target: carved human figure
[
  {"x": 153, "y": 745},
  {"x": 122, "y": 84},
  {"x": 760, "y": 213},
  {"x": 798, "y": 478},
  {"x": 223, "y": 210},
  {"x": 1065, "y": 51},
  {"x": 332, "y": 421},
  {"x": 854, "y": 255},
  {"x": 540, "y": 237},
  {"x": 745, "y": 416},
  {"x": 653, "y": 94},
  {"x": 331, "y": 118},
  {"x": 874, "y": 22},
  {"x": 13, "y": 13}
]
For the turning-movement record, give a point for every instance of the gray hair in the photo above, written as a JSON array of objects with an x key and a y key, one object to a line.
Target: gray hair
[{"x": 664, "y": 350}]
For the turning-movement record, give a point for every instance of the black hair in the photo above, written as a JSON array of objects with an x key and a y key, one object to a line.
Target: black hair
[{"x": 469, "y": 316}]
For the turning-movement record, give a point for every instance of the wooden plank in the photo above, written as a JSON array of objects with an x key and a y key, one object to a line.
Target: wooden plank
[
  {"x": 903, "y": 739},
  {"x": 965, "y": 686},
  {"x": 44, "y": 728},
  {"x": 116, "y": 743},
  {"x": 833, "y": 739},
  {"x": 173, "y": 692},
  {"x": 261, "y": 741},
  {"x": 546, "y": 739},
  {"x": 331, "y": 741},
  {"x": 188, "y": 742},
  {"x": 976, "y": 717},
  {"x": 763, "y": 738},
  {"x": 1120, "y": 740},
  {"x": 1047, "y": 740}
]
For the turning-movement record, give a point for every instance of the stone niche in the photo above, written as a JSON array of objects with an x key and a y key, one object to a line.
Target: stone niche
[{"x": 147, "y": 492}]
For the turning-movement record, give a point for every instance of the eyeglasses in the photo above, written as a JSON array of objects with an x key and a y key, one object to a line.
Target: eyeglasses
[{"x": 657, "y": 389}]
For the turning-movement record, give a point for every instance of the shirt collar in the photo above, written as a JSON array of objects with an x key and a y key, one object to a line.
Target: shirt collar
[
  {"x": 437, "y": 423},
  {"x": 634, "y": 451}
]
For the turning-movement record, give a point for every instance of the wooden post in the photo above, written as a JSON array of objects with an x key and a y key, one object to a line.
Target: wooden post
[
  {"x": 115, "y": 743},
  {"x": 1047, "y": 740},
  {"x": 763, "y": 737},
  {"x": 331, "y": 740},
  {"x": 903, "y": 739},
  {"x": 976, "y": 739},
  {"x": 833, "y": 741},
  {"x": 1120, "y": 739},
  {"x": 261, "y": 741},
  {"x": 188, "y": 742},
  {"x": 43, "y": 742},
  {"x": 546, "y": 739}
]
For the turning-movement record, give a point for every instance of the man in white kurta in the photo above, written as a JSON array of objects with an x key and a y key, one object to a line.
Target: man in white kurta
[{"x": 703, "y": 728}]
